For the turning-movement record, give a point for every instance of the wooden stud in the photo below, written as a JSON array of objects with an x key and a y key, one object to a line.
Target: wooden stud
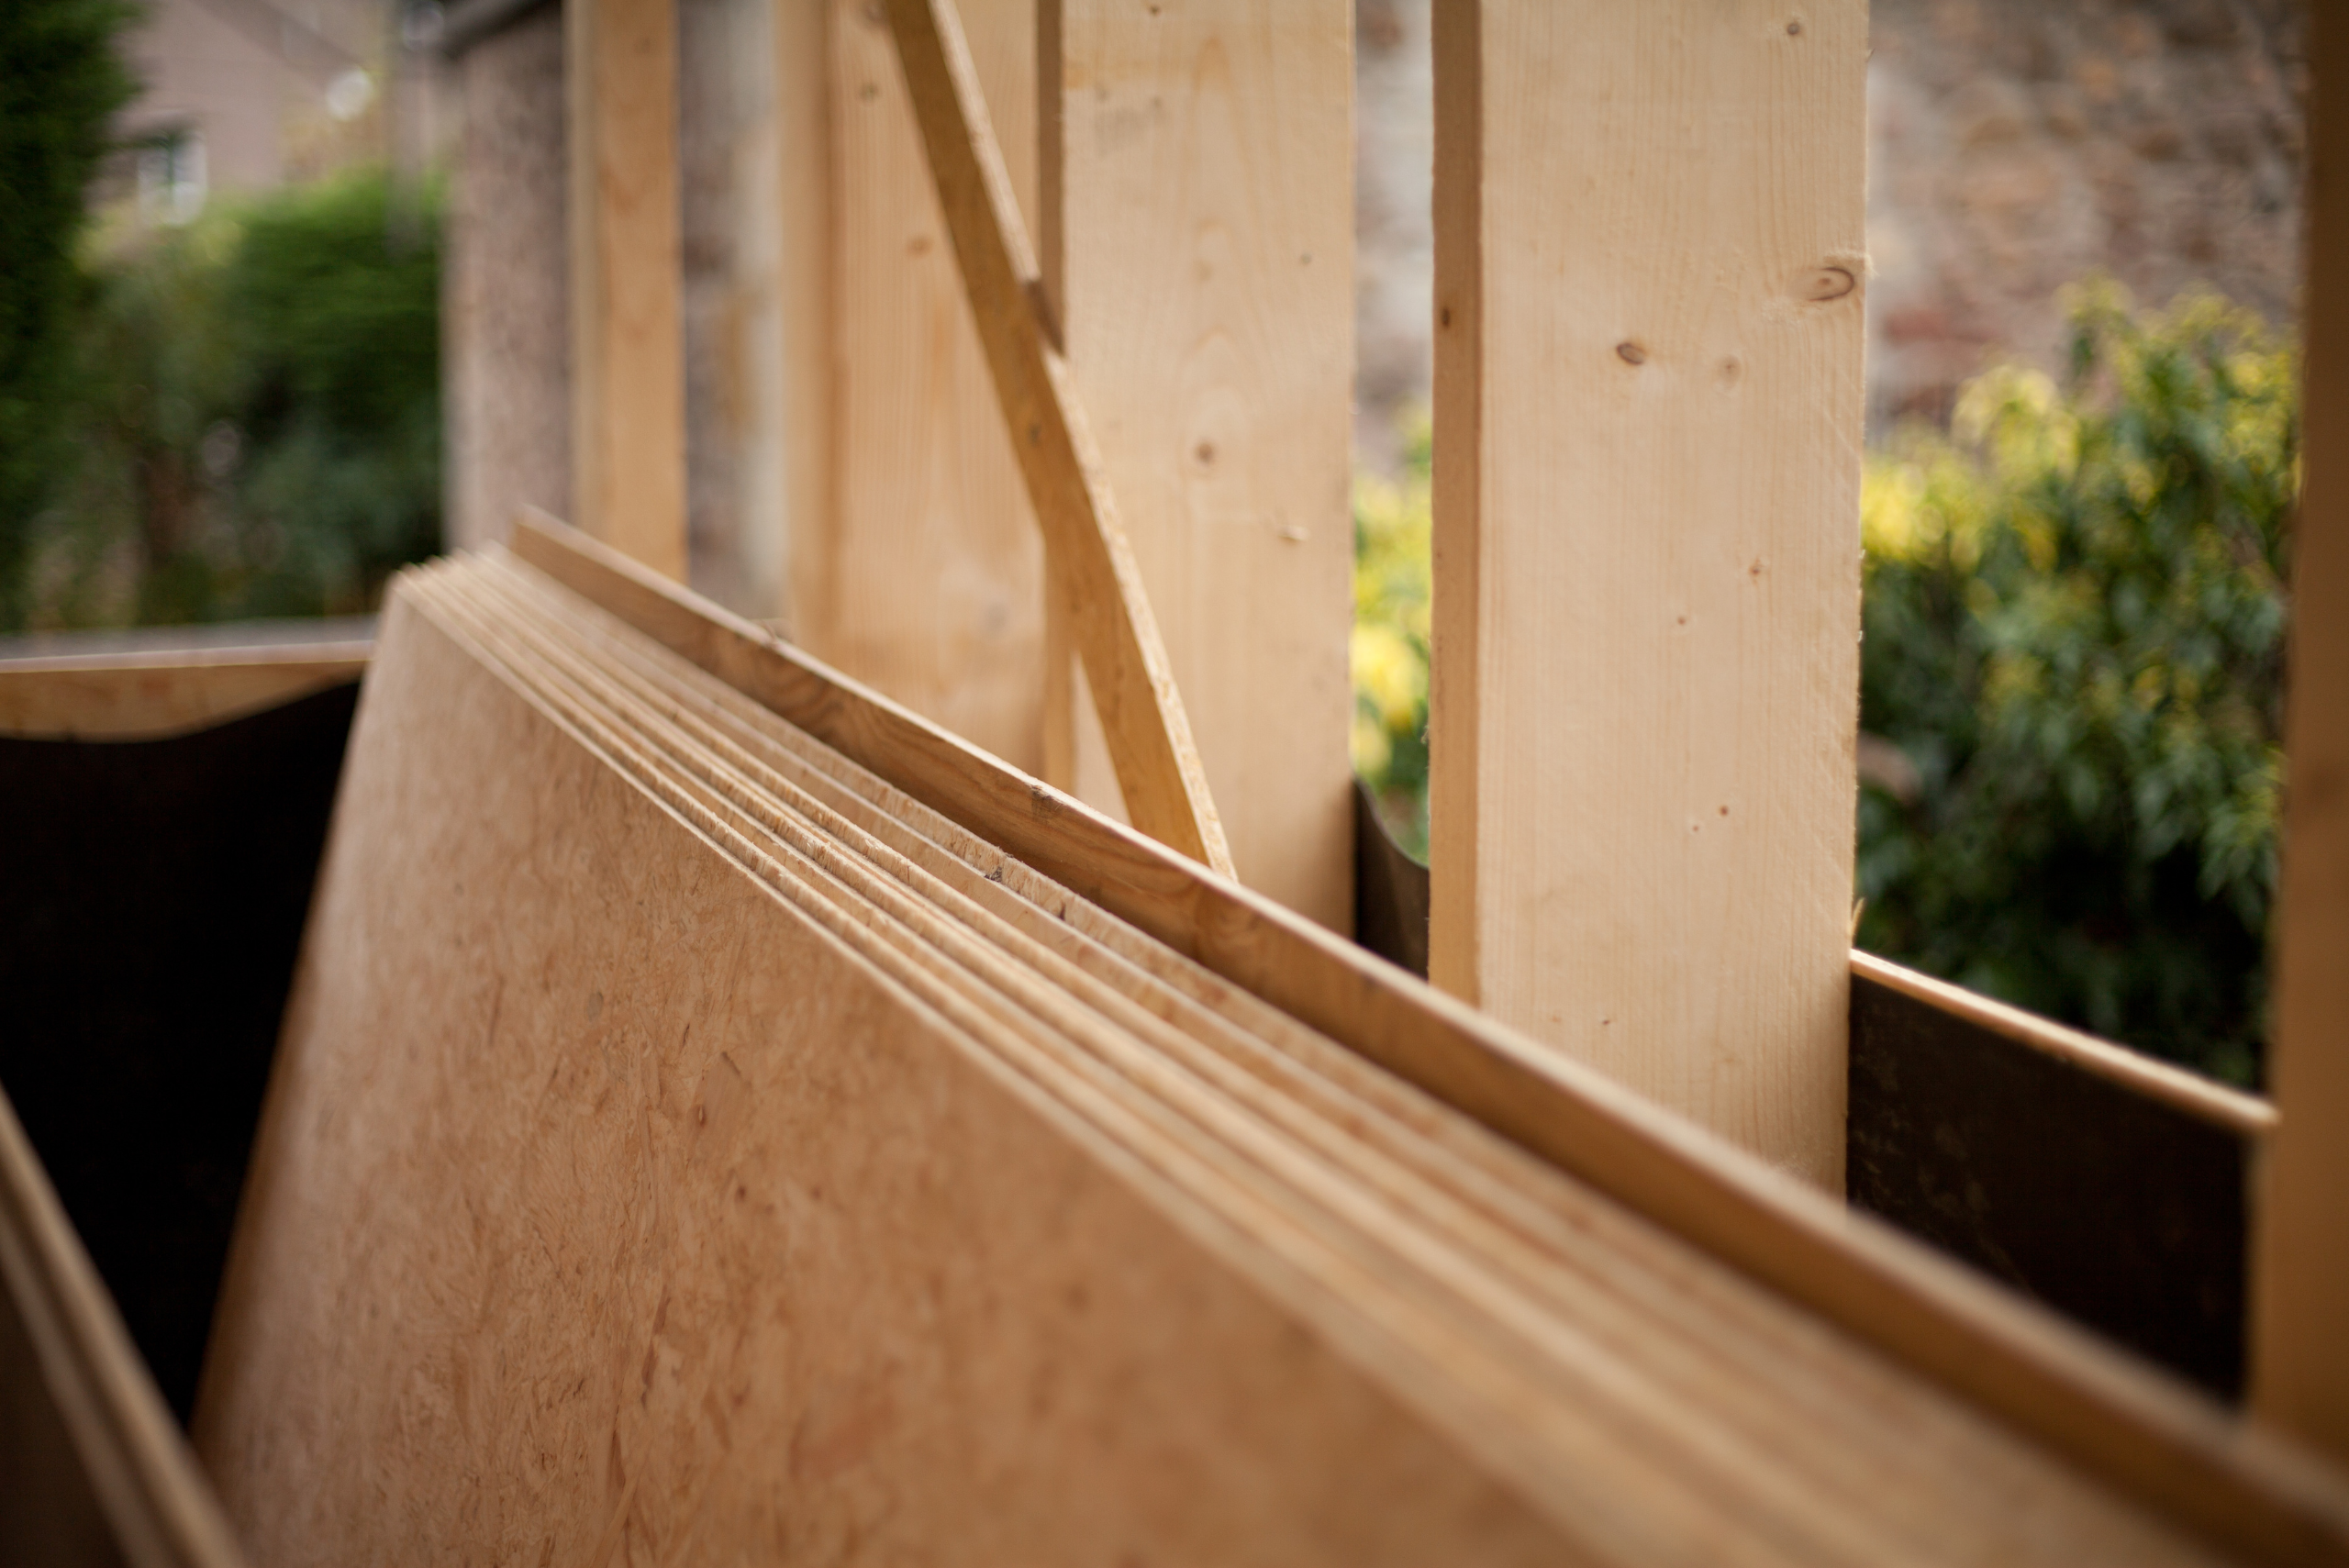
[
  {"x": 1091, "y": 565},
  {"x": 807, "y": 284},
  {"x": 917, "y": 565},
  {"x": 1650, "y": 251},
  {"x": 2299, "y": 1348},
  {"x": 1196, "y": 224},
  {"x": 627, "y": 337}
]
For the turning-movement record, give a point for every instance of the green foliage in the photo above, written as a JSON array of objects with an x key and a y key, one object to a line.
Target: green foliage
[
  {"x": 260, "y": 415},
  {"x": 1391, "y": 640},
  {"x": 2075, "y": 630},
  {"x": 61, "y": 81}
]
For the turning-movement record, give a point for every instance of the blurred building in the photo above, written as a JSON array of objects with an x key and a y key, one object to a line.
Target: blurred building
[{"x": 243, "y": 94}]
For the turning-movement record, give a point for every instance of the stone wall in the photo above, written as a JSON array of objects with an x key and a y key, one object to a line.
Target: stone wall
[{"x": 2015, "y": 146}]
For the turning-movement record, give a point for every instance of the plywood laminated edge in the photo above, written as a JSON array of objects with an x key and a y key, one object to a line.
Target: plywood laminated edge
[
  {"x": 2246, "y": 1116},
  {"x": 2105, "y": 1412},
  {"x": 1609, "y": 1421},
  {"x": 1090, "y": 565},
  {"x": 160, "y": 1507},
  {"x": 153, "y": 696}
]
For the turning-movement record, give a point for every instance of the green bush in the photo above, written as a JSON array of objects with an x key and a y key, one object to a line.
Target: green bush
[
  {"x": 2070, "y": 682},
  {"x": 259, "y": 412},
  {"x": 2071, "y": 677},
  {"x": 1392, "y": 638},
  {"x": 61, "y": 82}
]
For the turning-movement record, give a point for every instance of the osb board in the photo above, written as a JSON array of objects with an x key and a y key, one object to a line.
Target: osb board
[
  {"x": 605, "y": 1211},
  {"x": 2179, "y": 1454}
]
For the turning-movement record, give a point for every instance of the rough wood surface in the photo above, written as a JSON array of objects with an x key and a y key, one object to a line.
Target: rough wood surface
[
  {"x": 2103, "y": 1413},
  {"x": 1089, "y": 563},
  {"x": 2300, "y": 1285},
  {"x": 917, "y": 565},
  {"x": 1196, "y": 232},
  {"x": 1648, "y": 255},
  {"x": 627, "y": 377},
  {"x": 610, "y": 1207},
  {"x": 122, "y": 697},
  {"x": 157, "y": 1508}
]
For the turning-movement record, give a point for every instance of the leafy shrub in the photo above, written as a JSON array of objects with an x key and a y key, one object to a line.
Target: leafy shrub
[
  {"x": 61, "y": 82},
  {"x": 259, "y": 413},
  {"x": 2073, "y": 671},
  {"x": 1391, "y": 639}
]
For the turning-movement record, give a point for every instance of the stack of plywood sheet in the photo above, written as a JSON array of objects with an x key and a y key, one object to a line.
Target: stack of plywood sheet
[{"x": 688, "y": 1145}]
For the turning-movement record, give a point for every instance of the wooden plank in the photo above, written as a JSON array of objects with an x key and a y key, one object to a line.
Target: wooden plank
[
  {"x": 1196, "y": 226},
  {"x": 2100, "y": 1410},
  {"x": 1648, "y": 410},
  {"x": 628, "y": 380},
  {"x": 157, "y": 1508},
  {"x": 2242, "y": 1116},
  {"x": 808, "y": 234},
  {"x": 123, "y": 696},
  {"x": 2124, "y": 1208},
  {"x": 2300, "y": 1283},
  {"x": 899, "y": 452},
  {"x": 1091, "y": 566}
]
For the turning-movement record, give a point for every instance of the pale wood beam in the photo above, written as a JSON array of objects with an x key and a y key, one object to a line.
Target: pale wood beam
[
  {"x": 916, "y": 563},
  {"x": 1649, "y": 271},
  {"x": 628, "y": 383},
  {"x": 1198, "y": 237},
  {"x": 2300, "y": 1360},
  {"x": 1090, "y": 565}
]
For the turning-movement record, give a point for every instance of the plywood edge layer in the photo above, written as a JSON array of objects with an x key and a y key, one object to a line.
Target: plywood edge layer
[
  {"x": 157, "y": 1502},
  {"x": 2105, "y": 1411},
  {"x": 151, "y": 695},
  {"x": 2246, "y": 1116}
]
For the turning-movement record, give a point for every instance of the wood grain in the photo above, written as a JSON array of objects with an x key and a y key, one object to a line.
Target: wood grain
[
  {"x": 158, "y": 1509},
  {"x": 627, "y": 382},
  {"x": 1197, "y": 230},
  {"x": 2300, "y": 1277},
  {"x": 1648, "y": 414},
  {"x": 1090, "y": 563},
  {"x": 916, "y": 565},
  {"x": 123, "y": 696},
  {"x": 2100, "y": 1410}
]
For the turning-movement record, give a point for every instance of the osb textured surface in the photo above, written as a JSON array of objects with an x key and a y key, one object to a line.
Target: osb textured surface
[{"x": 605, "y": 1211}]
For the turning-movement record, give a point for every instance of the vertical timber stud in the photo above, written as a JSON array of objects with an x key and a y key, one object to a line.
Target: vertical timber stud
[
  {"x": 1196, "y": 245},
  {"x": 805, "y": 288},
  {"x": 628, "y": 379},
  {"x": 924, "y": 576},
  {"x": 2299, "y": 1348},
  {"x": 1649, "y": 251}
]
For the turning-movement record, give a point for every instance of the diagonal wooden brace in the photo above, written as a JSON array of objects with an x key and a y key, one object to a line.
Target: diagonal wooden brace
[{"x": 1088, "y": 562}]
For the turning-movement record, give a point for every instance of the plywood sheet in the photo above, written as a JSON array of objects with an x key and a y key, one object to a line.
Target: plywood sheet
[{"x": 597, "y": 1176}]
